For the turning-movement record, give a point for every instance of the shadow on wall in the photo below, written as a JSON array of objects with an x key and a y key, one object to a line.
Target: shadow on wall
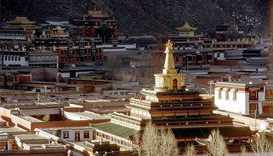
[{"x": 44, "y": 74}]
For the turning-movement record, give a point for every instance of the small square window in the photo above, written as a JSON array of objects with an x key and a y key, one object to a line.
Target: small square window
[
  {"x": 65, "y": 134},
  {"x": 86, "y": 134}
]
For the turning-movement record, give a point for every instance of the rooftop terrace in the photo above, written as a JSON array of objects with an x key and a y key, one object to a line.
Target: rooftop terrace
[{"x": 115, "y": 129}]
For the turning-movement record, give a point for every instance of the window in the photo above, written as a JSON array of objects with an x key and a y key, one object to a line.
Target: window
[
  {"x": 6, "y": 147},
  {"x": 65, "y": 134},
  {"x": 253, "y": 95},
  {"x": 175, "y": 84},
  {"x": 86, "y": 134},
  {"x": 77, "y": 136}
]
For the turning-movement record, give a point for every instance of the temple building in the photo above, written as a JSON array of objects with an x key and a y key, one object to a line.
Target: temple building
[
  {"x": 186, "y": 30},
  {"x": 97, "y": 23},
  {"x": 22, "y": 25},
  {"x": 58, "y": 32},
  {"x": 81, "y": 52},
  {"x": 52, "y": 38},
  {"x": 224, "y": 38},
  {"x": 18, "y": 33},
  {"x": 186, "y": 38},
  {"x": 170, "y": 104},
  {"x": 228, "y": 37},
  {"x": 22, "y": 22}
]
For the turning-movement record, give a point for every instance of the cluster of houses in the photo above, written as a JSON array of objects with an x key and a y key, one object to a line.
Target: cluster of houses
[{"x": 82, "y": 127}]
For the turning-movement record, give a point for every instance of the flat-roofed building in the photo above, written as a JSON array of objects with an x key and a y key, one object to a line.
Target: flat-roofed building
[
  {"x": 15, "y": 141},
  {"x": 240, "y": 97},
  {"x": 43, "y": 59},
  {"x": 7, "y": 140},
  {"x": 11, "y": 34},
  {"x": 71, "y": 134},
  {"x": 39, "y": 144},
  {"x": 117, "y": 134},
  {"x": 43, "y": 115},
  {"x": 17, "y": 58}
]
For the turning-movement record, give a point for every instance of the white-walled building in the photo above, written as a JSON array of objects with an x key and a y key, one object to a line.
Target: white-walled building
[
  {"x": 14, "y": 58},
  {"x": 241, "y": 98},
  {"x": 71, "y": 134}
]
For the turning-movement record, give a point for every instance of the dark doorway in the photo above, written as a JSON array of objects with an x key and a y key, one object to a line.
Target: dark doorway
[{"x": 175, "y": 84}]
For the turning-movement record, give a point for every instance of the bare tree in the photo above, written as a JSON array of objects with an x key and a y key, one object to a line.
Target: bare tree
[
  {"x": 158, "y": 142},
  {"x": 243, "y": 151},
  {"x": 190, "y": 151},
  {"x": 261, "y": 145},
  {"x": 138, "y": 144},
  {"x": 216, "y": 145}
]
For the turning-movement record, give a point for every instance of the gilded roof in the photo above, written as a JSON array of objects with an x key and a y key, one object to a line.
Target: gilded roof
[
  {"x": 21, "y": 20},
  {"x": 186, "y": 27}
]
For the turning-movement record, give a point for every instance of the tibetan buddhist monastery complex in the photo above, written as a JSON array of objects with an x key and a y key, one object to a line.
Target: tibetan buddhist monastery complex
[{"x": 171, "y": 105}]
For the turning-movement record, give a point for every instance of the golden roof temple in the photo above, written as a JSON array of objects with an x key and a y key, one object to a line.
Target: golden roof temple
[
  {"x": 186, "y": 27},
  {"x": 22, "y": 22},
  {"x": 186, "y": 30}
]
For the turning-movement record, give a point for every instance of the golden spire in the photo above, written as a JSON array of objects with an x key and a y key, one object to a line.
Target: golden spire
[
  {"x": 169, "y": 67},
  {"x": 169, "y": 79}
]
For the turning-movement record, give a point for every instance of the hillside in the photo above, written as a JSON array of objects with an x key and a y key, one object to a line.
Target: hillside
[{"x": 141, "y": 16}]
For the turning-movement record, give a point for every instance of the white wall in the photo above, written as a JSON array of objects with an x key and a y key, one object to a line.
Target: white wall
[
  {"x": 12, "y": 37},
  {"x": 10, "y": 60},
  {"x": 141, "y": 113},
  {"x": 47, "y": 111},
  {"x": 65, "y": 75},
  {"x": 72, "y": 135},
  {"x": 240, "y": 105},
  {"x": 127, "y": 46},
  {"x": 119, "y": 93}
]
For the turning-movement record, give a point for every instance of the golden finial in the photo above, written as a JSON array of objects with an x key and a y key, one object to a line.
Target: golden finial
[{"x": 169, "y": 45}]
